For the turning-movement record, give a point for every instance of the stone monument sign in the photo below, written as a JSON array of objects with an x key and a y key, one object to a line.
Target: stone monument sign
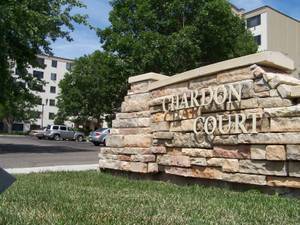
[{"x": 236, "y": 121}]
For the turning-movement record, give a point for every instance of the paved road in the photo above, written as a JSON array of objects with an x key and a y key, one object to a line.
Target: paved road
[{"x": 25, "y": 151}]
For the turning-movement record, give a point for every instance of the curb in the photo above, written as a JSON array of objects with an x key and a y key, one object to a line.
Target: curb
[{"x": 61, "y": 168}]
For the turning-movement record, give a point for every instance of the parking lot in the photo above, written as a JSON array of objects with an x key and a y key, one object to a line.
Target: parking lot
[{"x": 26, "y": 151}]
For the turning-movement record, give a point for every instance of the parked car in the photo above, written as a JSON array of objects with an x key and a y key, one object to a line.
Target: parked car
[
  {"x": 40, "y": 134},
  {"x": 62, "y": 132},
  {"x": 99, "y": 136}
]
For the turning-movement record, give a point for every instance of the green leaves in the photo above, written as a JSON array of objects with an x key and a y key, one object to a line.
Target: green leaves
[
  {"x": 172, "y": 36},
  {"x": 27, "y": 28},
  {"x": 94, "y": 88}
]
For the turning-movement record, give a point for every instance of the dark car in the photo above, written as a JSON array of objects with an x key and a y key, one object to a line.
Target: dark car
[{"x": 99, "y": 136}]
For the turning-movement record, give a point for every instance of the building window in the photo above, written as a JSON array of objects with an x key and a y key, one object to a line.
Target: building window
[
  {"x": 54, "y": 63},
  {"x": 253, "y": 21},
  {"x": 38, "y": 74},
  {"x": 51, "y": 117},
  {"x": 37, "y": 87},
  {"x": 40, "y": 101},
  {"x": 53, "y": 76},
  {"x": 41, "y": 62},
  {"x": 52, "y": 102},
  {"x": 257, "y": 39},
  {"x": 68, "y": 66},
  {"x": 52, "y": 89}
]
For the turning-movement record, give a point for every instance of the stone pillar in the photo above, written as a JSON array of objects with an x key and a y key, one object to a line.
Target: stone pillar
[{"x": 129, "y": 144}]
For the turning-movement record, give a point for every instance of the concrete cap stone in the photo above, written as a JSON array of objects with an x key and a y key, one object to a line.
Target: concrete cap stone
[
  {"x": 267, "y": 58},
  {"x": 147, "y": 76}
]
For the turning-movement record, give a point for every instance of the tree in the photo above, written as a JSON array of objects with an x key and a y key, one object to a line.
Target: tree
[
  {"x": 28, "y": 28},
  {"x": 93, "y": 89},
  {"x": 172, "y": 36}
]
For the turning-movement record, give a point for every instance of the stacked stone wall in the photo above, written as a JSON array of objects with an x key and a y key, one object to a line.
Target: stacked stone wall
[{"x": 148, "y": 139}]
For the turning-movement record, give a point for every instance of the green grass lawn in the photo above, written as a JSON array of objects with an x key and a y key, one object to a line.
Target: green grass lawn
[{"x": 97, "y": 198}]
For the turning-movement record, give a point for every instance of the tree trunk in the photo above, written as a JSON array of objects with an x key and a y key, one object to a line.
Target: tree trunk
[{"x": 8, "y": 124}]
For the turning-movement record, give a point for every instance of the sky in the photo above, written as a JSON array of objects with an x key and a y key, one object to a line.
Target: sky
[{"x": 86, "y": 41}]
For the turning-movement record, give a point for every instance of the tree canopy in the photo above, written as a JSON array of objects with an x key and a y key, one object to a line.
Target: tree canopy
[
  {"x": 28, "y": 28},
  {"x": 172, "y": 36},
  {"x": 93, "y": 89}
]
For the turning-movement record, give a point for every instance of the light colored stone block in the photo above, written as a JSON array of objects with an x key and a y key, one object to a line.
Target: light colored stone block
[
  {"x": 258, "y": 151},
  {"x": 125, "y": 151},
  {"x": 109, "y": 164},
  {"x": 143, "y": 158},
  {"x": 115, "y": 141},
  {"x": 288, "y": 91},
  {"x": 283, "y": 182},
  {"x": 230, "y": 165},
  {"x": 126, "y": 131},
  {"x": 294, "y": 169},
  {"x": 269, "y": 138},
  {"x": 234, "y": 75},
  {"x": 174, "y": 160},
  {"x": 137, "y": 167},
  {"x": 226, "y": 140},
  {"x": 274, "y": 102},
  {"x": 142, "y": 140},
  {"x": 141, "y": 114},
  {"x": 158, "y": 149},
  {"x": 244, "y": 178},
  {"x": 190, "y": 140},
  {"x": 198, "y": 152},
  {"x": 215, "y": 162},
  {"x": 257, "y": 71},
  {"x": 275, "y": 152},
  {"x": 285, "y": 124},
  {"x": 203, "y": 82},
  {"x": 198, "y": 161},
  {"x": 131, "y": 123},
  {"x": 163, "y": 135},
  {"x": 263, "y": 167},
  {"x": 183, "y": 125},
  {"x": 158, "y": 117},
  {"x": 293, "y": 152},
  {"x": 134, "y": 106},
  {"x": 161, "y": 126},
  {"x": 263, "y": 94},
  {"x": 107, "y": 156},
  {"x": 243, "y": 104},
  {"x": 275, "y": 79},
  {"x": 283, "y": 111},
  {"x": 173, "y": 89},
  {"x": 152, "y": 167},
  {"x": 201, "y": 172},
  {"x": 139, "y": 87}
]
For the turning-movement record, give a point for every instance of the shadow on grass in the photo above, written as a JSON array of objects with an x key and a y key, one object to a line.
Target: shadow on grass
[{"x": 21, "y": 148}]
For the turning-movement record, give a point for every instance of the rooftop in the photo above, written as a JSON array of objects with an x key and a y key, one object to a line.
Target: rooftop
[
  {"x": 269, "y": 7},
  {"x": 55, "y": 57}
]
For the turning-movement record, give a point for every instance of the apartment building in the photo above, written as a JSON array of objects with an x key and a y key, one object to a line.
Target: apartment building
[
  {"x": 274, "y": 31},
  {"x": 53, "y": 72}
]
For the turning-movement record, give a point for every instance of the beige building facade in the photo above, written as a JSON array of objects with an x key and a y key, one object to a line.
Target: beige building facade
[{"x": 275, "y": 31}]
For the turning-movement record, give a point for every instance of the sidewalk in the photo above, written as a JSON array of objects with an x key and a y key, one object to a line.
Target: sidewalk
[{"x": 52, "y": 169}]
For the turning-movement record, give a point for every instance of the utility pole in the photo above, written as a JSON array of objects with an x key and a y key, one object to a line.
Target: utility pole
[{"x": 42, "y": 118}]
